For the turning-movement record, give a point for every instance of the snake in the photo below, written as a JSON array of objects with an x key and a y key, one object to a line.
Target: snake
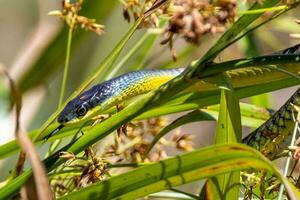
[
  {"x": 267, "y": 138},
  {"x": 114, "y": 91}
]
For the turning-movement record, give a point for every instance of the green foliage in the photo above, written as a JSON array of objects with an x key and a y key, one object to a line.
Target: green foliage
[
  {"x": 229, "y": 130},
  {"x": 181, "y": 169},
  {"x": 204, "y": 83}
]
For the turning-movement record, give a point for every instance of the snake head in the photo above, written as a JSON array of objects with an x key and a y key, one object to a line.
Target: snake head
[
  {"x": 78, "y": 108},
  {"x": 75, "y": 109}
]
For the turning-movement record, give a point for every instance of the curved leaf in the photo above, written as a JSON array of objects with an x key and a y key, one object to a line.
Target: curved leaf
[{"x": 182, "y": 169}]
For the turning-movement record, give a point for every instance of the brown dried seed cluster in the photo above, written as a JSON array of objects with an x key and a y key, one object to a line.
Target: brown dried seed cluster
[
  {"x": 188, "y": 18},
  {"x": 135, "y": 8},
  {"x": 183, "y": 141},
  {"x": 130, "y": 146},
  {"x": 192, "y": 19},
  {"x": 133, "y": 145},
  {"x": 83, "y": 170},
  {"x": 70, "y": 15},
  {"x": 132, "y": 7}
]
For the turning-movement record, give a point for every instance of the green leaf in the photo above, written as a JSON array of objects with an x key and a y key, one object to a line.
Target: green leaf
[
  {"x": 132, "y": 51},
  {"x": 229, "y": 130},
  {"x": 251, "y": 50},
  {"x": 252, "y": 116},
  {"x": 229, "y": 127},
  {"x": 142, "y": 56},
  {"x": 262, "y": 100},
  {"x": 182, "y": 169},
  {"x": 263, "y": 10}
]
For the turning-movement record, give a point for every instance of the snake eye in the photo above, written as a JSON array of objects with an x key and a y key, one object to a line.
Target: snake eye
[{"x": 81, "y": 111}]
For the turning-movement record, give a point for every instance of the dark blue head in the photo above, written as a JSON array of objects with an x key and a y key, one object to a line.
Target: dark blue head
[
  {"x": 79, "y": 106},
  {"x": 76, "y": 108}
]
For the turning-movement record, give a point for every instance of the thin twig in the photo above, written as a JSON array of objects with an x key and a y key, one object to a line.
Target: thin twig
[
  {"x": 39, "y": 173},
  {"x": 56, "y": 143}
]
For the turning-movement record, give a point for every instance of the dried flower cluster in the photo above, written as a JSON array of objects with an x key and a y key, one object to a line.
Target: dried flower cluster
[
  {"x": 183, "y": 141},
  {"x": 70, "y": 15},
  {"x": 134, "y": 9},
  {"x": 133, "y": 145},
  {"x": 188, "y": 18},
  {"x": 259, "y": 184},
  {"x": 78, "y": 171},
  {"x": 192, "y": 19}
]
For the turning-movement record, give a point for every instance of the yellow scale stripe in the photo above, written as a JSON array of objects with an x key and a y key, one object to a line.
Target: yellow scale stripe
[{"x": 144, "y": 86}]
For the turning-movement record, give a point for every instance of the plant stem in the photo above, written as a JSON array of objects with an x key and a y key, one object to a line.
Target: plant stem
[
  {"x": 257, "y": 11},
  {"x": 56, "y": 143},
  {"x": 66, "y": 67}
]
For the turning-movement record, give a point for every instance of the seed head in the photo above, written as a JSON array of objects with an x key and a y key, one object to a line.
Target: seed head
[{"x": 70, "y": 14}]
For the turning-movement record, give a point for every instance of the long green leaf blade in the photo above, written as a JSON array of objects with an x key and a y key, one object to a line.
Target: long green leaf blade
[
  {"x": 229, "y": 130},
  {"x": 200, "y": 164}
]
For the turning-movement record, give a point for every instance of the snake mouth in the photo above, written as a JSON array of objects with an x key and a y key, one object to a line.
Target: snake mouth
[{"x": 53, "y": 132}]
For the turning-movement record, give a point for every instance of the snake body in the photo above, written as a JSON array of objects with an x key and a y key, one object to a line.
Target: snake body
[
  {"x": 270, "y": 137},
  {"x": 267, "y": 138},
  {"x": 116, "y": 90}
]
